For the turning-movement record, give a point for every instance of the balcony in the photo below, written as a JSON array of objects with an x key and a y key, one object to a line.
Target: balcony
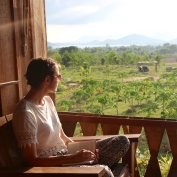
[
  {"x": 154, "y": 130},
  {"x": 12, "y": 69}
]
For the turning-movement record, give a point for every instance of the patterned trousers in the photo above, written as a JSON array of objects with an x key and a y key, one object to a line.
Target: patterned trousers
[{"x": 111, "y": 150}]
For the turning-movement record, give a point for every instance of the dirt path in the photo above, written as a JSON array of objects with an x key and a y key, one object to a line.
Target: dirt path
[{"x": 140, "y": 78}]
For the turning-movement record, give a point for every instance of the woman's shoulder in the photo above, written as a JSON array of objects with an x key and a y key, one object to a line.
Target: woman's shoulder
[
  {"x": 50, "y": 102},
  {"x": 22, "y": 107},
  {"x": 48, "y": 99},
  {"x": 22, "y": 104}
]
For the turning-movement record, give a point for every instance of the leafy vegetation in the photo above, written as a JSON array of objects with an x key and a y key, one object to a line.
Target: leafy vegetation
[
  {"x": 73, "y": 56},
  {"x": 144, "y": 95},
  {"x": 107, "y": 81}
]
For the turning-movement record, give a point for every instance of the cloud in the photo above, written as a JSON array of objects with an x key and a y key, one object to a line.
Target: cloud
[
  {"x": 66, "y": 33},
  {"x": 77, "y": 11},
  {"x": 68, "y": 20}
]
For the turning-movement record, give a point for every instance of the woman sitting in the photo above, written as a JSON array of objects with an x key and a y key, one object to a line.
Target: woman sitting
[{"x": 38, "y": 129}]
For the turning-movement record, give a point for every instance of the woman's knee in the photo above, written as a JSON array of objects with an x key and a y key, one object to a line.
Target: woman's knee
[{"x": 123, "y": 141}]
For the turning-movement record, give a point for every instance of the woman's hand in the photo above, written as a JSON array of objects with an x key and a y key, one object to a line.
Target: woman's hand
[
  {"x": 66, "y": 143},
  {"x": 97, "y": 156},
  {"x": 85, "y": 155}
]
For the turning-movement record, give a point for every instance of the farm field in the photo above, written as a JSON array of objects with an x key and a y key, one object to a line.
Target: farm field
[
  {"x": 73, "y": 82},
  {"x": 109, "y": 83}
]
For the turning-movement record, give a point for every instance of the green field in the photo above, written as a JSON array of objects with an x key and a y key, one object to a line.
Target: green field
[
  {"x": 106, "y": 77},
  {"x": 106, "y": 80},
  {"x": 72, "y": 82}
]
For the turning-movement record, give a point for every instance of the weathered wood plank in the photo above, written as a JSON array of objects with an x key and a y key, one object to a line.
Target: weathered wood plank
[
  {"x": 10, "y": 145},
  {"x": 13, "y": 64},
  {"x": 8, "y": 64},
  {"x": 109, "y": 129},
  {"x": 154, "y": 137},
  {"x": 38, "y": 28},
  {"x": 4, "y": 156},
  {"x": 17, "y": 43},
  {"x": 69, "y": 128},
  {"x": 53, "y": 172},
  {"x": 8, "y": 83},
  {"x": 131, "y": 137},
  {"x": 135, "y": 129},
  {"x": 89, "y": 129},
  {"x": 172, "y": 135}
]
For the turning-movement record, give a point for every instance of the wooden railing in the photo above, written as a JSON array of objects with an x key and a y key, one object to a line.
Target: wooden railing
[{"x": 154, "y": 129}]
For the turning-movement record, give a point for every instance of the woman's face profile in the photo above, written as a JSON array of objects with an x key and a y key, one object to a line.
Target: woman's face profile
[{"x": 56, "y": 78}]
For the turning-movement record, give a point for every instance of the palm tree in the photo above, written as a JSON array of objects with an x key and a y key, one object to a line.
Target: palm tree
[
  {"x": 85, "y": 69},
  {"x": 122, "y": 75},
  {"x": 65, "y": 105},
  {"x": 164, "y": 96},
  {"x": 103, "y": 99},
  {"x": 79, "y": 96},
  {"x": 150, "y": 108},
  {"x": 117, "y": 88}
]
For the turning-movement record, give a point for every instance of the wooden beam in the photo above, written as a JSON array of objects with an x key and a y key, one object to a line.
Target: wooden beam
[
  {"x": 8, "y": 83},
  {"x": 131, "y": 137}
]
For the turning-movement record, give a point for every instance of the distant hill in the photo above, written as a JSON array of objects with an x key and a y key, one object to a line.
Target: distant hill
[
  {"x": 174, "y": 41},
  {"x": 60, "y": 45},
  {"x": 89, "y": 38},
  {"x": 133, "y": 39},
  {"x": 51, "y": 44}
]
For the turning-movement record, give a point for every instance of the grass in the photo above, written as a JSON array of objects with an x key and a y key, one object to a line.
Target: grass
[
  {"x": 99, "y": 73},
  {"x": 131, "y": 73}
]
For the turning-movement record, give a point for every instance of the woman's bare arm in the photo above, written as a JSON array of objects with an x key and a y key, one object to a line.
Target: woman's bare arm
[
  {"x": 33, "y": 159},
  {"x": 65, "y": 138}
]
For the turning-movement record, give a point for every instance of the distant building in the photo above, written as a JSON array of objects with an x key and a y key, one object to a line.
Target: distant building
[{"x": 147, "y": 63}]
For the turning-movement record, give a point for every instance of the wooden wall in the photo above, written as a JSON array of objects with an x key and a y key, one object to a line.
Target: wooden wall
[{"x": 22, "y": 37}]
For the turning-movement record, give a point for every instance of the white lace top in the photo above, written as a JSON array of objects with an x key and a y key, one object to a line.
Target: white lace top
[{"x": 39, "y": 125}]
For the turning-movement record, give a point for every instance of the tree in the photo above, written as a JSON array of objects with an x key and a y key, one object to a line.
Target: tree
[
  {"x": 74, "y": 59},
  {"x": 85, "y": 69},
  {"x": 108, "y": 70},
  {"x": 129, "y": 95},
  {"x": 102, "y": 61},
  {"x": 66, "y": 59},
  {"x": 57, "y": 57},
  {"x": 49, "y": 47},
  {"x": 151, "y": 107},
  {"x": 163, "y": 96},
  {"x": 112, "y": 57},
  {"x": 116, "y": 88},
  {"x": 103, "y": 99},
  {"x": 68, "y": 49},
  {"x": 79, "y": 96},
  {"x": 166, "y": 44},
  {"x": 158, "y": 58},
  {"x": 91, "y": 86},
  {"x": 173, "y": 48},
  {"x": 122, "y": 75},
  {"x": 65, "y": 105}
]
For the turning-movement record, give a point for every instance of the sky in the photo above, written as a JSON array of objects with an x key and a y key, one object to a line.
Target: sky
[{"x": 68, "y": 20}]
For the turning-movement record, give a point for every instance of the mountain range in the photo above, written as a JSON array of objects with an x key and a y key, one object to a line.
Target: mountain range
[{"x": 133, "y": 39}]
